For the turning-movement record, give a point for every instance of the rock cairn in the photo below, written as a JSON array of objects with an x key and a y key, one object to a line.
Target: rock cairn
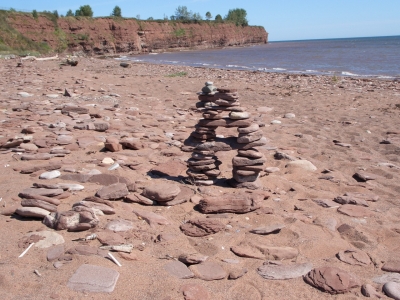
[{"x": 249, "y": 162}]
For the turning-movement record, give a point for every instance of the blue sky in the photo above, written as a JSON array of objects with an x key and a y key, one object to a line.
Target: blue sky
[{"x": 283, "y": 19}]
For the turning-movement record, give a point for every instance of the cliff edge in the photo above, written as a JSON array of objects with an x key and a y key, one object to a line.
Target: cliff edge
[{"x": 118, "y": 35}]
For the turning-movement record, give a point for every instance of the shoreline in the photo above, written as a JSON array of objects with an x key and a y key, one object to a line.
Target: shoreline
[
  {"x": 283, "y": 74},
  {"x": 124, "y": 57}
]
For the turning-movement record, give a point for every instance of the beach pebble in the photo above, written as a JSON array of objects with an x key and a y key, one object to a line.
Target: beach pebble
[
  {"x": 119, "y": 225},
  {"x": 276, "y": 122},
  {"x": 290, "y": 116},
  {"x": 107, "y": 161},
  {"x": 301, "y": 164},
  {"x": 50, "y": 175},
  {"x": 208, "y": 271},
  {"x": 392, "y": 290},
  {"x": 280, "y": 272},
  {"x": 178, "y": 269},
  {"x": 33, "y": 212},
  {"x": 49, "y": 238}
]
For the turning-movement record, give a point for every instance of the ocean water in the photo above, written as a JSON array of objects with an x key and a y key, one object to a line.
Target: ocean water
[{"x": 357, "y": 57}]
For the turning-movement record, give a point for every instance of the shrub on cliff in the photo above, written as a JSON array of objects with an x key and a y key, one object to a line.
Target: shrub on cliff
[
  {"x": 69, "y": 13},
  {"x": 237, "y": 16},
  {"x": 84, "y": 11},
  {"x": 35, "y": 14}
]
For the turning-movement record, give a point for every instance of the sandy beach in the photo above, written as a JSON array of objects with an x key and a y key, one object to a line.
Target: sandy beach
[{"x": 347, "y": 129}]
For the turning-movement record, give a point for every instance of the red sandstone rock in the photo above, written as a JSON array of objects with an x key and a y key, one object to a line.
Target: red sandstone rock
[
  {"x": 332, "y": 280},
  {"x": 201, "y": 227},
  {"x": 235, "y": 203}
]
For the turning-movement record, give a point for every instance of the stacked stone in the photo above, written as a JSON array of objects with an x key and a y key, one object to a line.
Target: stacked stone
[
  {"x": 249, "y": 162},
  {"x": 247, "y": 165},
  {"x": 203, "y": 165},
  {"x": 207, "y": 96}
]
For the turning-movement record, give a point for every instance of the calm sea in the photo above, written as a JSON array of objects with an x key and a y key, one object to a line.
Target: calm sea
[{"x": 365, "y": 57}]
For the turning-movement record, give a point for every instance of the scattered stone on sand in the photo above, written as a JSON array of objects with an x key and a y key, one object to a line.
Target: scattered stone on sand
[
  {"x": 280, "y": 272},
  {"x": 178, "y": 269},
  {"x": 259, "y": 251},
  {"x": 369, "y": 291},
  {"x": 392, "y": 290},
  {"x": 194, "y": 291},
  {"x": 49, "y": 238},
  {"x": 354, "y": 211},
  {"x": 193, "y": 258},
  {"x": 237, "y": 273},
  {"x": 301, "y": 164},
  {"x": 55, "y": 252},
  {"x": 332, "y": 280},
  {"x": 91, "y": 278},
  {"x": 113, "y": 191},
  {"x": 119, "y": 225},
  {"x": 151, "y": 218},
  {"x": 32, "y": 212},
  {"x": 354, "y": 257},
  {"x": 202, "y": 227},
  {"x": 392, "y": 266},
  {"x": 161, "y": 191},
  {"x": 235, "y": 203},
  {"x": 273, "y": 228},
  {"x": 208, "y": 271}
]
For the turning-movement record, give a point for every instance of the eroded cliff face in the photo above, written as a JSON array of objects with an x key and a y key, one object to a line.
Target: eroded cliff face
[{"x": 112, "y": 36}]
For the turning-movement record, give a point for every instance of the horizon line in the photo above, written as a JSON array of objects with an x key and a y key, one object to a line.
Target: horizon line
[{"x": 336, "y": 38}]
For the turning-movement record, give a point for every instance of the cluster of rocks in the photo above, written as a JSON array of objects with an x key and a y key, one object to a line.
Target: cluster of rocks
[{"x": 249, "y": 162}]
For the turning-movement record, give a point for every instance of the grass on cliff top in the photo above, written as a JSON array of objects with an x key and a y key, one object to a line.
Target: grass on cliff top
[{"x": 13, "y": 42}]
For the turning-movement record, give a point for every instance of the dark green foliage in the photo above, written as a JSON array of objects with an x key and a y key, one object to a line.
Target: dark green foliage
[
  {"x": 237, "y": 16},
  {"x": 208, "y": 15},
  {"x": 35, "y": 14},
  {"x": 116, "y": 12},
  {"x": 55, "y": 13},
  {"x": 183, "y": 14},
  {"x": 84, "y": 11},
  {"x": 218, "y": 19},
  {"x": 186, "y": 16},
  {"x": 69, "y": 13}
]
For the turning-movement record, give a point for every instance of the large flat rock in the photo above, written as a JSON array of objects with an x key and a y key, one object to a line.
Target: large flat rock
[{"x": 90, "y": 278}]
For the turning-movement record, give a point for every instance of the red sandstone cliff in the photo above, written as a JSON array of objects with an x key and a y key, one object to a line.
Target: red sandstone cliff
[{"x": 113, "y": 35}]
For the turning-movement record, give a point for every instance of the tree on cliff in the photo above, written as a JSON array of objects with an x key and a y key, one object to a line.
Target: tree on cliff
[
  {"x": 69, "y": 13},
  {"x": 116, "y": 12},
  {"x": 218, "y": 19},
  {"x": 182, "y": 13},
  {"x": 84, "y": 11},
  {"x": 237, "y": 16},
  {"x": 208, "y": 16}
]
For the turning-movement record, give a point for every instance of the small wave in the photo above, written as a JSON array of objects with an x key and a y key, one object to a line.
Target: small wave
[
  {"x": 278, "y": 69},
  {"x": 349, "y": 74},
  {"x": 236, "y": 66},
  {"x": 153, "y": 53},
  {"x": 385, "y": 77},
  {"x": 312, "y": 71}
]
